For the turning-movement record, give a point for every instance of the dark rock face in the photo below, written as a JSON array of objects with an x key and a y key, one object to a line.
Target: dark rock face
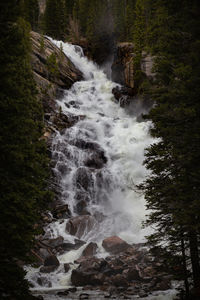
[
  {"x": 51, "y": 261},
  {"x": 67, "y": 267},
  {"x": 123, "y": 67},
  {"x": 49, "y": 85},
  {"x": 114, "y": 245},
  {"x": 124, "y": 95},
  {"x": 80, "y": 225},
  {"x": 90, "y": 250},
  {"x": 61, "y": 211},
  {"x": 83, "y": 178},
  {"x": 69, "y": 246},
  {"x": 54, "y": 243}
]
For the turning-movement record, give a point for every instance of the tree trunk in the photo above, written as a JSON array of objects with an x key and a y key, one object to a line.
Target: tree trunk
[
  {"x": 194, "y": 259},
  {"x": 185, "y": 269}
]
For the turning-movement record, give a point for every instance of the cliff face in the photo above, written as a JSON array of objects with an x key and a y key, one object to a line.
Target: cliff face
[
  {"x": 123, "y": 65},
  {"x": 122, "y": 68},
  {"x": 52, "y": 70}
]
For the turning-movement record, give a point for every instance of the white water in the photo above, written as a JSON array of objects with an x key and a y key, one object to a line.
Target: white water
[{"x": 111, "y": 190}]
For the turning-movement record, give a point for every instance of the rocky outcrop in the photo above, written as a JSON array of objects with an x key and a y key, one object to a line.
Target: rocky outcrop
[
  {"x": 123, "y": 67},
  {"x": 52, "y": 69},
  {"x": 132, "y": 269}
]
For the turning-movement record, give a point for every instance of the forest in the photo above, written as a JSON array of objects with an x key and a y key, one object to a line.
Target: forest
[{"x": 169, "y": 31}]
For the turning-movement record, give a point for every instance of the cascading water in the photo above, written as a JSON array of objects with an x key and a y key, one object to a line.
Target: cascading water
[{"x": 99, "y": 161}]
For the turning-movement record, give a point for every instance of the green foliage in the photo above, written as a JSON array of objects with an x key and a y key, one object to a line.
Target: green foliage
[
  {"x": 55, "y": 19},
  {"x": 52, "y": 65},
  {"x": 42, "y": 45},
  {"x": 172, "y": 189},
  {"x": 24, "y": 162},
  {"x": 30, "y": 12}
]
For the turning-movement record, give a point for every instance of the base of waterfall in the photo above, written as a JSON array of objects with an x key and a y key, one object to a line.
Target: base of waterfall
[{"x": 126, "y": 270}]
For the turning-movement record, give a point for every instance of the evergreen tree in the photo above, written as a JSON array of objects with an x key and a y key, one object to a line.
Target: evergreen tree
[
  {"x": 55, "y": 19},
  {"x": 23, "y": 163},
  {"x": 172, "y": 189}
]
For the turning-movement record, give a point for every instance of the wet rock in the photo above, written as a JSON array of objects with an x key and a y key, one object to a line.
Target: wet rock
[
  {"x": 43, "y": 281},
  {"x": 96, "y": 160},
  {"x": 82, "y": 196},
  {"x": 61, "y": 211},
  {"x": 114, "y": 245},
  {"x": 66, "y": 267},
  {"x": 81, "y": 208},
  {"x": 83, "y": 178},
  {"x": 51, "y": 261},
  {"x": 71, "y": 246},
  {"x": 49, "y": 84},
  {"x": 123, "y": 95},
  {"x": 48, "y": 269},
  {"x": 80, "y": 225},
  {"x": 62, "y": 121},
  {"x": 44, "y": 253},
  {"x": 54, "y": 243},
  {"x": 90, "y": 250},
  {"x": 84, "y": 144},
  {"x": 118, "y": 92}
]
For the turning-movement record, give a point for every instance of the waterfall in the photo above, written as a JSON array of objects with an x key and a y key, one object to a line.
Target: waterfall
[{"x": 98, "y": 163}]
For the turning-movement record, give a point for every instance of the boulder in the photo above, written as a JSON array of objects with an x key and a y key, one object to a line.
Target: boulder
[
  {"x": 61, "y": 211},
  {"x": 51, "y": 261},
  {"x": 124, "y": 95},
  {"x": 90, "y": 250},
  {"x": 54, "y": 243},
  {"x": 89, "y": 272},
  {"x": 80, "y": 225},
  {"x": 114, "y": 245},
  {"x": 66, "y": 267},
  {"x": 70, "y": 246}
]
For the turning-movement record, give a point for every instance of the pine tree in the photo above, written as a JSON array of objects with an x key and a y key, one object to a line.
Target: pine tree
[
  {"x": 172, "y": 189},
  {"x": 23, "y": 163},
  {"x": 55, "y": 19}
]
